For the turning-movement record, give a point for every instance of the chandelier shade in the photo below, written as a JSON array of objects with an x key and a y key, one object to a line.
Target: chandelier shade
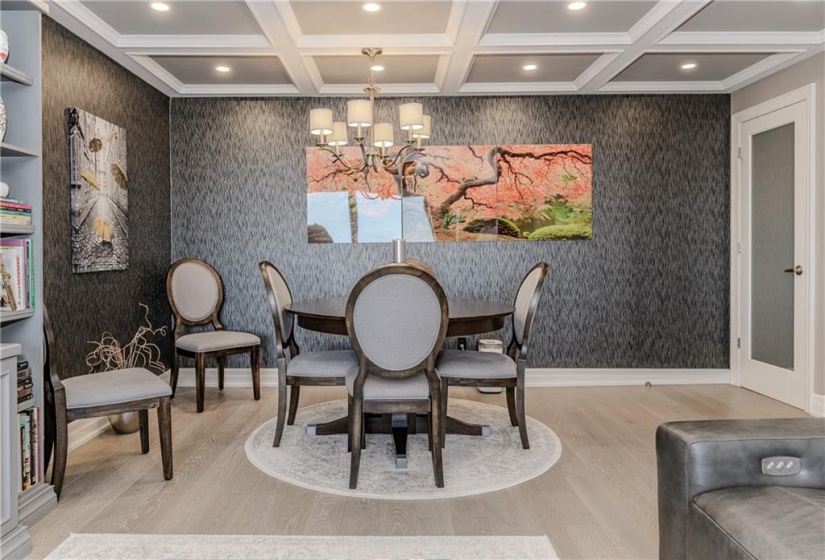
[{"x": 372, "y": 138}]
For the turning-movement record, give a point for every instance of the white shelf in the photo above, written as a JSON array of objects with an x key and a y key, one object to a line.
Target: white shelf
[
  {"x": 12, "y": 74},
  {"x": 7, "y": 316},
  {"x": 7, "y": 229},
  {"x": 10, "y": 150}
]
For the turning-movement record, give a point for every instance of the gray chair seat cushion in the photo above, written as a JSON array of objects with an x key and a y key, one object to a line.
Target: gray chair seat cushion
[
  {"x": 114, "y": 387},
  {"x": 381, "y": 388},
  {"x": 213, "y": 341},
  {"x": 768, "y": 522},
  {"x": 472, "y": 364},
  {"x": 331, "y": 363}
]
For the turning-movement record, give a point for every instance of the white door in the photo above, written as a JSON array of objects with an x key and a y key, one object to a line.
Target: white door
[{"x": 774, "y": 182}]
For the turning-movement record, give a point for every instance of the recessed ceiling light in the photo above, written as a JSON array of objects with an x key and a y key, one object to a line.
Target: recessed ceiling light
[
  {"x": 223, "y": 69},
  {"x": 529, "y": 67},
  {"x": 576, "y": 6},
  {"x": 377, "y": 68},
  {"x": 688, "y": 66},
  {"x": 371, "y": 7},
  {"x": 159, "y": 6}
]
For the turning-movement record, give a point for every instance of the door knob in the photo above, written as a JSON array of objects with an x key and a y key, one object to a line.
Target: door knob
[{"x": 796, "y": 270}]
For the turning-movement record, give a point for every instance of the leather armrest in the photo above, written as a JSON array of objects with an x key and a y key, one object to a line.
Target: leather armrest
[{"x": 699, "y": 456}]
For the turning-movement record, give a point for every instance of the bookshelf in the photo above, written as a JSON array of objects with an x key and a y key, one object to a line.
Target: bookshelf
[{"x": 21, "y": 330}]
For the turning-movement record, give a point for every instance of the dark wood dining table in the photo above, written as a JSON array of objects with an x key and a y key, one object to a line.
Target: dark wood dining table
[{"x": 466, "y": 317}]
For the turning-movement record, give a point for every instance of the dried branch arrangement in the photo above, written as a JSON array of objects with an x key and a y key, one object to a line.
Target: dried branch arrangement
[{"x": 109, "y": 354}]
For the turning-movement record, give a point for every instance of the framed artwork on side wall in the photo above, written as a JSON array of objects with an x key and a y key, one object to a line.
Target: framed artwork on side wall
[{"x": 99, "y": 194}]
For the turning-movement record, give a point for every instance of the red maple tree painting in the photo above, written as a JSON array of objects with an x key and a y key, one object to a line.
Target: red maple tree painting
[{"x": 455, "y": 193}]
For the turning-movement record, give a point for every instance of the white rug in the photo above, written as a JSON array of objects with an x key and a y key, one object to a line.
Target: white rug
[
  {"x": 248, "y": 547},
  {"x": 472, "y": 464}
]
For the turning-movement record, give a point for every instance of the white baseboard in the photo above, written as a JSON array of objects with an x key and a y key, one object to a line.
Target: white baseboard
[
  {"x": 817, "y": 405},
  {"x": 81, "y": 431},
  {"x": 536, "y": 377},
  {"x": 605, "y": 377}
]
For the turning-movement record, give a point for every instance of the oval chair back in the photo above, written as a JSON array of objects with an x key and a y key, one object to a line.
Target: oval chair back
[
  {"x": 279, "y": 296},
  {"x": 397, "y": 319},
  {"x": 195, "y": 292},
  {"x": 526, "y": 302}
]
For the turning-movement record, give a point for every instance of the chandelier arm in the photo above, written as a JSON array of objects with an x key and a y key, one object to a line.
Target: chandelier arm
[{"x": 337, "y": 158}]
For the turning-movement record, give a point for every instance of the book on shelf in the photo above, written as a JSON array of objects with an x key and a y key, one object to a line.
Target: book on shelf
[
  {"x": 9, "y": 204},
  {"x": 29, "y": 423},
  {"x": 17, "y": 275}
]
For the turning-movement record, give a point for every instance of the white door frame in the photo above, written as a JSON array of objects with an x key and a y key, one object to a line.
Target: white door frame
[{"x": 805, "y": 94}]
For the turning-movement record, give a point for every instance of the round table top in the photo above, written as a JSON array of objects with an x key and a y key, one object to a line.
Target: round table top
[{"x": 466, "y": 317}]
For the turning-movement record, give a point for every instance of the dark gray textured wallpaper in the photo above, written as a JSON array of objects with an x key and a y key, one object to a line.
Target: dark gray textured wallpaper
[
  {"x": 649, "y": 290},
  {"x": 82, "y": 306}
]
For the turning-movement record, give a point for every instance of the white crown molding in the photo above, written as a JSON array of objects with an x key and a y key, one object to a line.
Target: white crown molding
[
  {"x": 231, "y": 90},
  {"x": 193, "y": 42},
  {"x": 591, "y": 71},
  {"x": 554, "y": 39},
  {"x": 386, "y": 89},
  {"x": 88, "y": 18},
  {"x": 693, "y": 38},
  {"x": 385, "y": 41},
  {"x": 762, "y": 68},
  {"x": 517, "y": 88},
  {"x": 160, "y": 73},
  {"x": 454, "y": 19},
  {"x": 662, "y": 87},
  {"x": 441, "y": 70},
  {"x": 183, "y": 51}
]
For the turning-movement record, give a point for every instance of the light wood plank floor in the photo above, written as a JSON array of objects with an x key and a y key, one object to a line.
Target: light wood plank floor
[{"x": 598, "y": 501}]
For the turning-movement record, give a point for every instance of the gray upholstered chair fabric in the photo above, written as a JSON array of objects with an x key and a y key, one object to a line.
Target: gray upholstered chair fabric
[
  {"x": 381, "y": 388},
  {"x": 195, "y": 290},
  {"x": 328, "y": 363},
  {"x": 195, "y": 293},
  {"x": 397, "y": 320},
  {"x": 461, "y": 363},
  {"x": 715, "y": 501},
  {"x": 470, "y": 368},
  {"x": 99, "y": 394},
  {"x": 114, "y": 387},
  {"x": 215, "y": 340},
  {"x": 296, "y": 369},
  {"x": 523, "y": 299}
]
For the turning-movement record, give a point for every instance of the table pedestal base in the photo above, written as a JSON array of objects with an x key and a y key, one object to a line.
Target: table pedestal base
[{"x": 399, "y": 425}]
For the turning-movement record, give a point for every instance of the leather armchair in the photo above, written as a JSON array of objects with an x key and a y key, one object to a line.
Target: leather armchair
[{"x": 715, "y": 501}]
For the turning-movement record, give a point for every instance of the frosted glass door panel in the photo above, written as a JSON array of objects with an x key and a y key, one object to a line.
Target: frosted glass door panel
[{"x": 772, "y": 223}]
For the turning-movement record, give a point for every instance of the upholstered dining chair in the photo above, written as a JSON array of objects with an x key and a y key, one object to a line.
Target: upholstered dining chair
[
  {"x": 195, "y": 293},
  {"x": 101, "y": 394},
  {"x": 396, "y": 319},
  {"x": 422, "y": 265},
  {"x": 469, "y": 368},
  {"x": 322, "y": 368}
]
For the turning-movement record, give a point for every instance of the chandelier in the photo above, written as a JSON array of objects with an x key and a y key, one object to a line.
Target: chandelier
[{"x": 373, "y": 139}]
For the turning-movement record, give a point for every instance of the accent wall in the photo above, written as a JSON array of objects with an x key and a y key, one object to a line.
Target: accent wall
[
  {"x": 649, "y": 290},
  {"x": 82, "y": 306}
]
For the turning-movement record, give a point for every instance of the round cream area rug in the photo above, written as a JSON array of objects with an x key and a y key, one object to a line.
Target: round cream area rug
[{"x": 472, "y": 464}]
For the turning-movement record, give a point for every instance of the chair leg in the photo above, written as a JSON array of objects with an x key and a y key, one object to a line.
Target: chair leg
[
  {"x": 445, "y": 388},
  {"x": 294, "y": 397},
  {"x": 356, "y": 427},
  {"x": 279, "y": 426},
  {"x": 144, "y": 430},
  {"x": 200, "y": 379},
  {"x": 349, "y": 430},
  {"x": 511, "y": 405},
  {"x": 165, "y": 429},
  {"x": 522, "y": 418},
  {"x": 436, "y": 431},
  {"x": 173, "y": 377},
  {"x": 61, "y": 444},
  {"x": 255, "y": 358},
  {"x": 221, "y": 367}
]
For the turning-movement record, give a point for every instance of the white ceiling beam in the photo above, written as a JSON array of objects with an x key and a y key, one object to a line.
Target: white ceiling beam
[
  {"x": 764, "y": 68},
  {"x": 193, "y": 41},
  {"x": 555, "y": 39},
  {"x": 477, "y": 16},
  {"x": 660, "y": 21},
  {"x": 694, "y": 38},
  {"x": 268, "y": 16}
]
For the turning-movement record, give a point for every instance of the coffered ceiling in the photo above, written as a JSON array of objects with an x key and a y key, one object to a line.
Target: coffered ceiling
[{"x": 449, "y": 47}]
